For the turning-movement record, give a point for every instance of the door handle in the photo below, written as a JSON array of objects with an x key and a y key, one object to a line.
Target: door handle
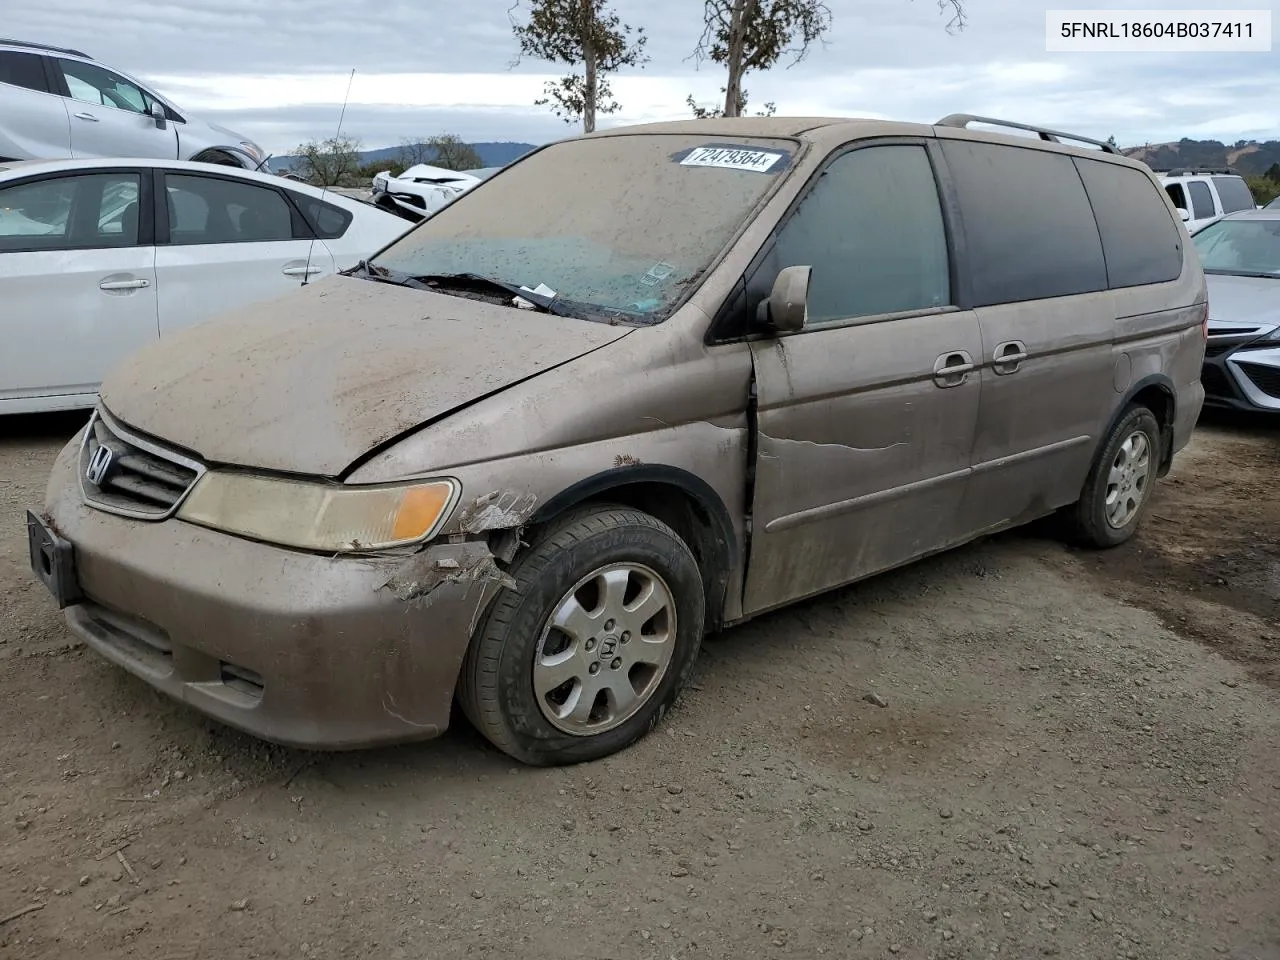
[
  {"x": 87, "y": 116},
  {"x": 1008, "y": 357},
  {"x": 124, "y": 284},
  {"x": 301, "y": 271},
  {"x": 952, "y": 369}
]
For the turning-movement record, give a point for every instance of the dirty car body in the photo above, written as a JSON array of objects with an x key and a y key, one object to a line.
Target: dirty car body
[{"x": 751, "y": 361}]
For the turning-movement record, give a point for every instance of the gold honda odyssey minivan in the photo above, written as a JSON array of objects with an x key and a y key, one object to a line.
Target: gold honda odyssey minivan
[{"x": 639, "y": 385}]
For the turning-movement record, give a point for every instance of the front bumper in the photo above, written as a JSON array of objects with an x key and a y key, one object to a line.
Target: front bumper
[
  {"x": 298, "y": 649},
  {"x": 1242, "y": 375}
]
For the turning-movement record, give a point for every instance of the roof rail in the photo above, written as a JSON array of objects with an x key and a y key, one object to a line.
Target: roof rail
[
  {"x": 1200, "y": 172},
  {"x": 43, "y": 46},
  {"x": 962, "y": 120}
]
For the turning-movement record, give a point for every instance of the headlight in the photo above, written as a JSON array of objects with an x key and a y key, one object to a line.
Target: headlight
[
  {"x": 1273, "y": 336},
  {"x": 319, "y": 516},
  {"x": 253, "y": 149}
]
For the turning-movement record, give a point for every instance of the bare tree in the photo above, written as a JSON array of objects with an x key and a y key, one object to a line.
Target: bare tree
[
  {"x": 745, "y": 35},
  {"x": 328, "y": 163},
  {"x": 586, "y": 33},
  {"x": 414, "y": 150}
]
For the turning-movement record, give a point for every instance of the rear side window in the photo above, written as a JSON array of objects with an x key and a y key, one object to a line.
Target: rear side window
[
  {"x": 330, "y": 221},
  {"x": 1234, "y": 194},
  {"x": 1201, "y": 199},
  {"x": 1140, "y": 241},
  {"x": 23, "y": 70},
  {"x": 1028, "y": 226},
  {"x": 1176, "y": 194}
]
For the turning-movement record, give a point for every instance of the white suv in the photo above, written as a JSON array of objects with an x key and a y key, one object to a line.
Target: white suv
[
  {"x": 1206, "y": 195},
  {"x": 58, "y": 104}
]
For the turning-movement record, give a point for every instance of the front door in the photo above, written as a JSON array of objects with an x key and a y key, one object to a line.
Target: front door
[
  {"x": 109, "y": 115},
  {"x": 865, "y": 418},
  {"x": 230, "y": 243},
  {"x": 77, "y": 267}
]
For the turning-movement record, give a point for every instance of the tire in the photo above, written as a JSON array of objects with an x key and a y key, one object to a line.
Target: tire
[
  {"x": 1093, "y": 520},
  {"x": 504, "y": 688}
]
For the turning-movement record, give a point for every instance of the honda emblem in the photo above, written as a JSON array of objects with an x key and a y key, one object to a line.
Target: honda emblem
[{"x": 99, "y": 465}]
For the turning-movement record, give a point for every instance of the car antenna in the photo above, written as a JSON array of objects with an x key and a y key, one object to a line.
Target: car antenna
[{"x": 324, "y": 188}]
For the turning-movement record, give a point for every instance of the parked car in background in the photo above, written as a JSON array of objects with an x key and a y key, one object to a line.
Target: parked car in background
[
  {"x": 1241, "y": 257},
  {"x": 1273, "y": 205},
  {"x": 58, "y": 103},
  {"x": 646, "y": 383},
  {"x": 92, "y": 267},
  {"x": 421, "y": 190},
  {"x": 1207, "y": 194}
]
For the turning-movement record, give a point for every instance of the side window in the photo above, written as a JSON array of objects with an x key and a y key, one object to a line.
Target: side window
[
  {"x": 1201, "y": 199},
  {"x": 1140, "y": 241},
  {"x": 213, "y": 210},
  {"x": 872, "y": 229},
  {"x": 92, "y": 84},
  {"x": 23, "y": 70},
  {"x": 1234, "y": 194},
  {"x": 92, "y": 210},
  {"x": 1178, "y": 196},
  {"x": 1029, "y": 229},
  {"x": 330, "y": 221}
]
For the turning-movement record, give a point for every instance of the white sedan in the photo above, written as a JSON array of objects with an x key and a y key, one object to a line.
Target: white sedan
[{"x": 99, "y": 258}]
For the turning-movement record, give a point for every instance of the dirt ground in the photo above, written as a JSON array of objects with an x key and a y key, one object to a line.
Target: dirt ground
[{"x": 1079, "y": 756}]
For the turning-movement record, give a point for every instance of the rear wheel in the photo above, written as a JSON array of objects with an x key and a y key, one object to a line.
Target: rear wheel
[
  {"x": 592, "y": 646},
  {"x": 1119, "y": 487}
]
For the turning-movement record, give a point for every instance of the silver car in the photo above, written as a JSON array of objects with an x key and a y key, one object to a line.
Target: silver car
[
  {"x": 58, "y": 104},
  {"x": 1241, "y": 257}
]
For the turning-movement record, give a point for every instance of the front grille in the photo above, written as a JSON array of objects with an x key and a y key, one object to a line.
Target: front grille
[
  {"x": 124, "y": 474},
  {"x": 1266, "y": 379},
  {"x": 1215, "y": 382}
]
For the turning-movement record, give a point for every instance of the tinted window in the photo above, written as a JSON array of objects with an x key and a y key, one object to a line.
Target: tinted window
[
  {"x": 1177, "y": 195},
  {"x": 1140, "y": 240},
  {"x": 1028, "y": 226},
  {"x": 212, "y": 210},
  {"x": 23, "y": 70},
  {"x": 329, "y": 221},
  {"x": 95, "y": 210},
  {"x": 92, "y": 84},
  {"x": 1201, "y": 199},
  {"x": 1234, "y": 194},
  {"x": 871, "y": 228}
]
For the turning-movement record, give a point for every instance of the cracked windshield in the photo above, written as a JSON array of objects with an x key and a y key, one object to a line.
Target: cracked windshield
[{"x": 619, "y": 226}]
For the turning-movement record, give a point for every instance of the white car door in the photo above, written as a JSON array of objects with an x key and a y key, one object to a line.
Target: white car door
[
  {"x": 33, "y": 121},
  {"x": 228, "y": 243},
  {"x": 77, "y": 283},
  {"x": 109, "y": 115}
]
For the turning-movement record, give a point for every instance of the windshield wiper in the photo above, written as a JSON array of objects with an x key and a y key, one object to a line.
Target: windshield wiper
[
  {"x": 1261, "y": 274},
  {"x": 551, "y": 304},
  {"x": 366, "y": 269}
]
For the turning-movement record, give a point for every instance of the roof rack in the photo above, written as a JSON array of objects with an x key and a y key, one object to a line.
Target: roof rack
[
  {"x": 962, "y": 120},
  {"x": 43, "y": 46},
  {"x": 1200, "y": 172}
]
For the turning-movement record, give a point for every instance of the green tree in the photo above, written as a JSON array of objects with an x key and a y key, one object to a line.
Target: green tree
[
  {"x": 586, "y": 34},
  {"x": 702, "y": 113},
  {"x": 746, "y": 35},
  {"x": 1273, "y": 173},
  {"x": 450, "y": 151},
  {"x": 328, "y": 163}
]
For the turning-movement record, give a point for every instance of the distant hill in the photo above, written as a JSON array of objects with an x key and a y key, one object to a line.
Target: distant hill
[
  {"x": 1249, "y": 157},
  {"x": 494, "y": 154}
]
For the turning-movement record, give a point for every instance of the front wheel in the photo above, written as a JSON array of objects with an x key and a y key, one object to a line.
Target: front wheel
[
  {"x": 1119, "y": 486},
  {"x": 592, "y": 646}
]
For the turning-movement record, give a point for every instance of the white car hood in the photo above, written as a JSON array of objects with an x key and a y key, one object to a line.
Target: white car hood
[{"x": 1243, "y": 302}]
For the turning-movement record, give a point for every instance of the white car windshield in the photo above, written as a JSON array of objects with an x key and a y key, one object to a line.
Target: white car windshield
[
  {"x": 617, "y": 225},
  {"x": 1240, "y": 247}
]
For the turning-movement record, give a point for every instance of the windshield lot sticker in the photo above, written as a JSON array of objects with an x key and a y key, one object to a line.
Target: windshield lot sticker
[
  {"x": 732, "y": 158},
  {"x": 657, "y": 273}
]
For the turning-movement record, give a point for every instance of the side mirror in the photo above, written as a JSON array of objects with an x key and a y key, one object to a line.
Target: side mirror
[
  {"x": 787, "y": 308},
  {"x": 156, "y": 109},
  {"x": 1184, "y": 214}
]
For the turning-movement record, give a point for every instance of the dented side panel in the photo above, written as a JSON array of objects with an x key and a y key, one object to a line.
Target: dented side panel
[{"x": 863, "y": 458}]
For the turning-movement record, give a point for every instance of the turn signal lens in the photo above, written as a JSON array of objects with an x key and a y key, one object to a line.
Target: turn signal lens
[{"x": 318, "y": 516}]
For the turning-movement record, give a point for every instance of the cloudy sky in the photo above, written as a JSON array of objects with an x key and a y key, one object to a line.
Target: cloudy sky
[{"x": 278, "y": 69}]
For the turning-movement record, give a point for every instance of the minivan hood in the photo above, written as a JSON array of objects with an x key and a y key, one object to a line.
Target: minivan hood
[
  {"x": 310, "y": 382},
  {"x": 1241, "y": 301}
]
